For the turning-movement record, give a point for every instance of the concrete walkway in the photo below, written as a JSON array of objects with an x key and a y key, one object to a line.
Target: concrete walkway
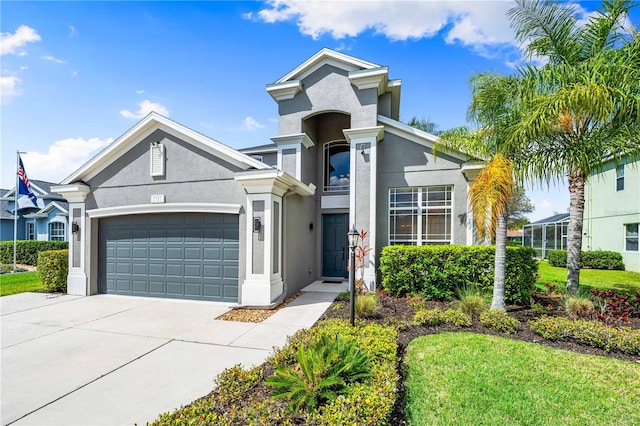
[{"x": 111, "y": 360}]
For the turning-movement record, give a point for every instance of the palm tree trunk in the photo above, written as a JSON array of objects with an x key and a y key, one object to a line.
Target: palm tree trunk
[
  {"x": 500, "y": 258},
  {"x": 574, "y": 233}
]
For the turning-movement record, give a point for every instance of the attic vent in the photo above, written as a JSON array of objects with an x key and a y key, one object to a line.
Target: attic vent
[{"x": 157, "y": 159}]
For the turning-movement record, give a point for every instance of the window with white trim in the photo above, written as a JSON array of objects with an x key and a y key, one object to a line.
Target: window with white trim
[
  {"x": 631, "y": 237},
  {"x": 31, "y": 231},
  {"x": 337, "y": 166},
  {"x": 620, "y": 177},
  {"x": 56, "y": 231},
  {"x": 420, "y": 215}
]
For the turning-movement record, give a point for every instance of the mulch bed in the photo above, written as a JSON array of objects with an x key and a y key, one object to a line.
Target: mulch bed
[
  {"x": 393, "y": 310},
  {"x": 255, "y": 315}
]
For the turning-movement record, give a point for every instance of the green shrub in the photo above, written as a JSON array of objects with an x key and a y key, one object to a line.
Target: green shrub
[
  {"x": 557, "y": 258},
  {"x": 499, "y": 321},
  {"x": 366, "y": 304},
  {"x": 27, "y": 251},
  {"x": 432, "y": 317},
  {"x": 436, "y": 272},
  {"x": 592, "y": 333},
  {"x": 471, "y": 302},
  {"x": 323, "y": 372},
  {"x": 345, "y": 296},
  {"x": 597, "y": 259},
  {"x": 601, "y": 259},
  {"x": 53, "y": 267},
  {"x": 581, "y": 307}
]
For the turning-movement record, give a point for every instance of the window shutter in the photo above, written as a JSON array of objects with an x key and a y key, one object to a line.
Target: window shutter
[{"x": 157, "y": 159}]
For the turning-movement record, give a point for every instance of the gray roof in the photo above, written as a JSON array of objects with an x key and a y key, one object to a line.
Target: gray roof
[
  {"x": 560, "y": 217},
  {"x": 258, "y": 149}
]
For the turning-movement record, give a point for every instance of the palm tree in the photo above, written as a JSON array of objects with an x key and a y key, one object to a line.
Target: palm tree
[
  {"x": 494, "y": 108},
  {"x": 580, "y": 109}
]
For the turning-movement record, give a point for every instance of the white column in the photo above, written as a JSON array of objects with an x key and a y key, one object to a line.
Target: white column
[
  {"x": 76, "y": 194},
  {"x": 363, "y": 189}
]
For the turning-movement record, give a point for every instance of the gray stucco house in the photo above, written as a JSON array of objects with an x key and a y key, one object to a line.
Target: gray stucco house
[
  {"x": 166, "y": 211},
  {"x": 48, "y": 223}
]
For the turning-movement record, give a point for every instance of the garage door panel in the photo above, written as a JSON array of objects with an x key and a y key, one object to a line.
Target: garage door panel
[{"x": 190, "y": 255}]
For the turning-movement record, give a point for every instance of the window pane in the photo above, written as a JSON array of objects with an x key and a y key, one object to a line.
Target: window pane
[
  {"x": 438, "y": 196},
  {"x": 631, "y": 237},
  {"x": 336, "y": 164},
  {"x": 407, "y": 197},
  {"x": 403, "y": 226},
  {"x": 436, "y": 225},
  {"x": 56, "y": 231}
]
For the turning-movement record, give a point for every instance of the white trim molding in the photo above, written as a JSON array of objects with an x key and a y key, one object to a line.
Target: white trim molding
[
  {"x": 73, "y": 193},
  {"x": 376, "y": 78},
  {"x": 285, "y": 90},
  {"x": 165, "y": 208}
]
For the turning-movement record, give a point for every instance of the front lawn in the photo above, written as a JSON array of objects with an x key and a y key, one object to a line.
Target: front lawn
[
  {"x": 20, "y": 282},
  {"x": 466, "y": 378},
  {"x": 626, "y": 281}
]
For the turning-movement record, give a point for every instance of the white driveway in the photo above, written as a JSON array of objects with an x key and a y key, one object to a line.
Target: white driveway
[{"x": 119, "y": 360}]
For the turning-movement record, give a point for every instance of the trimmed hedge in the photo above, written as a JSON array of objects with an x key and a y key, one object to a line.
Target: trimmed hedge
[
  {"x": 53, "y": 267},
  {"x": 597, "y": 259},
  {"x": 592, "y": 333},
  {"x": 438, "y": 272},
  {"x": 432, "y": 317},
  {"x": 27, "y": 251}
]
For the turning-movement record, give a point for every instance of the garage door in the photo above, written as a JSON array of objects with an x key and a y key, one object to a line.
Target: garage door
[{"x": 185, "y": 256}]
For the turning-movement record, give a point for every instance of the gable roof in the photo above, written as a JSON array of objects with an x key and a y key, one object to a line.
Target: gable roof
[
  {"x": 152, "y": 122},
  {"x": 41, "y": 188},
  {"x": 323, "y": 57},
  {"x": 418, "y": 136}
]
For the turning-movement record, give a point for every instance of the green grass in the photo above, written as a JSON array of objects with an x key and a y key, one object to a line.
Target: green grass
[
  {"x": 19, "y": 283},
  {"x": 476, "y": 379},
  {"x": 626, "y": 281}
]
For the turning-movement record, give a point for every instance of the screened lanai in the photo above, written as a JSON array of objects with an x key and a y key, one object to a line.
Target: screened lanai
[{"x": 547, "y": 234}]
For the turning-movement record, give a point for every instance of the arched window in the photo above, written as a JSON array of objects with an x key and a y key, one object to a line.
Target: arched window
[{"x": 336, "y": 166}]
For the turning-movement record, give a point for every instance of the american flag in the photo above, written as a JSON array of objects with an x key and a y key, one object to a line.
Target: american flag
[
  {"x": 26, "y": 197},
  {"x": 23, "y": 175}
]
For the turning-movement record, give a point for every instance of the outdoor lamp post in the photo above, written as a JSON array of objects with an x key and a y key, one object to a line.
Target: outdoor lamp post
[{"x": 352, "y": 236}]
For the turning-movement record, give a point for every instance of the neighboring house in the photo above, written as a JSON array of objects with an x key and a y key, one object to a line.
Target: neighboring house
[
  {"x": 547, "y": 234},
  {"x": 612, "y": 212},
  {"x": 49, "y": 223},
  {"x": 514, "y": 235},
  {"x": 166, "y": 211}
]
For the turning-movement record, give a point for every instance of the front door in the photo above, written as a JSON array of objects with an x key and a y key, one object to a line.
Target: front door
[{"x": 334, "y": 245}]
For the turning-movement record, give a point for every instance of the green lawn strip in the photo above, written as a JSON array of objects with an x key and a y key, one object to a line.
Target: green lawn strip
[
  {"x": 467, "y": 378},
  {"x": 626, "y": 281},
  {"x": 19, "y": 282}
]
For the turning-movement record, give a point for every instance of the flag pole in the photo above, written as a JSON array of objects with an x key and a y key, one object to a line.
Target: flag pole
[{"x": 15, "y": 212}]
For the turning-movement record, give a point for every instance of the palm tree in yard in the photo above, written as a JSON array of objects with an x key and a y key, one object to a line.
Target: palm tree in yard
[
  {"x": 582, "y": 107},
  {"x": 494, "y": 108}
]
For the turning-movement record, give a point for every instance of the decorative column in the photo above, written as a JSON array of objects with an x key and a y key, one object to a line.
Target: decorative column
[
  {"x": 362, "y": 191},
  {"x": 290, "y": 152},
  {"x": 79, "y": 235}
]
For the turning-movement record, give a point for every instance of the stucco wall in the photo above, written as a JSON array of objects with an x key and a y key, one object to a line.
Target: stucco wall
[
  {"x": 328, "y": 89},
  {"x": 401, "y": 164},
  {"x": 299, "y": 252},
  {"x": 608, "y": 210},
  {"x": 192, "y": 176}
]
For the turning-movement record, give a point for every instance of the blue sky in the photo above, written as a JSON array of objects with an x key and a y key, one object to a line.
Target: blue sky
[{"x": 76, "y": 75}]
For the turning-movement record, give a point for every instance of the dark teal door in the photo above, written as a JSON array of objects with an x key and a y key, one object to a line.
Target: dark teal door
[
  {"x": 183, "y": 256},
  {"x": 334, "y": 245}
]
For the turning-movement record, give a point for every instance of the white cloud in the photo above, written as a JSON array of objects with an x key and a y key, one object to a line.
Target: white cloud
[
  {"x": 54, "y": 59},
  {"x": 250, "y": 124},
  {"x": 9, "y": 88},
  {"x": 62, "y": 158},
  {"x": 74, "y": 73},
  {"x": 144, "y": 108},
  {"x": 469, "y": 23},
  {"x": 72, "y": 31},
  {"x": 544, "y": 205},
  {"x": 11, "y": 43},
  {"x": 139, "y": 92}
]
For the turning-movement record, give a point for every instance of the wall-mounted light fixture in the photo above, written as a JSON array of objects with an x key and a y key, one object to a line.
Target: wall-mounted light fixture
[
  {"x": 75, "y": 228},
  {"x": 257, "y": 224}
]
